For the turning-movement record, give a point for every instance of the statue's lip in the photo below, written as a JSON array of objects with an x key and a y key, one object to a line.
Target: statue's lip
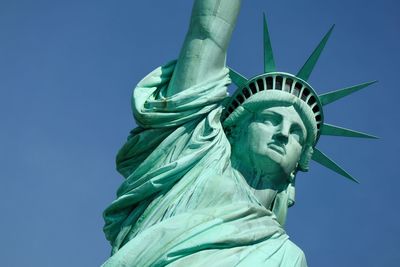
[{"x": 277, "y": 147}]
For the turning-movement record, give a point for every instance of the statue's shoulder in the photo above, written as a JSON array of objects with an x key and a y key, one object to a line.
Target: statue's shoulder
[{"x": 293, "y": 255}]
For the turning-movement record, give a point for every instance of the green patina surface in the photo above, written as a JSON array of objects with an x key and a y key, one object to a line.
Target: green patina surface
[{"x": 208, "y": 178}]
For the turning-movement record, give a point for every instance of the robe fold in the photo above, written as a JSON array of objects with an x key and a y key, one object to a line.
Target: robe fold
[{"x": 182, "y": 203}]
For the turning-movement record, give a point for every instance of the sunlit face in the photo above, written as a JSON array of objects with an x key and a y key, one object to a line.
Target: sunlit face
[{"x": 274, "y": 140}]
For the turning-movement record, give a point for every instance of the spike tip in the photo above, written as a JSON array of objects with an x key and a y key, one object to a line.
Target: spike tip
[
  {"x": 338, "y": 94},
  {"x": 328, "y": 129},
  {"x": 325, "y": 161},
  {"x": 305, "y": 72},
  {"x": 269, "y": 62}
]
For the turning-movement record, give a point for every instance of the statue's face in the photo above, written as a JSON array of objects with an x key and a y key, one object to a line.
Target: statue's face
[{"x": 273, "y": 141}]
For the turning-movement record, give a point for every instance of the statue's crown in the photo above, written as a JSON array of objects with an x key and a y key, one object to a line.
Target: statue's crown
[{"x": 294, "y": 87}]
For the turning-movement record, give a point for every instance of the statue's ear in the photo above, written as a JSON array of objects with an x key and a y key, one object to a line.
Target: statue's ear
[{"x": 305, "y": 158}]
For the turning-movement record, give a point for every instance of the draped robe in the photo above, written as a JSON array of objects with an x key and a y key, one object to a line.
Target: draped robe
[{"x": 182, "y": 203}]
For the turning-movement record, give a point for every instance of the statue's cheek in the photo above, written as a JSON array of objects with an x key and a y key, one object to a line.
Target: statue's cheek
[
  {"x": 293, "y": 154},
  {"x": 259, "y": 133}
]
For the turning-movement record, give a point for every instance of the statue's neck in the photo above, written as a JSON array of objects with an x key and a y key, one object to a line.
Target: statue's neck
[{"x": 260, "y": 184}]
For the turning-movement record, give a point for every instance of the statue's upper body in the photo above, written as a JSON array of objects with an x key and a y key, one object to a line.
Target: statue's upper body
[{"x": 196, "y": 193}]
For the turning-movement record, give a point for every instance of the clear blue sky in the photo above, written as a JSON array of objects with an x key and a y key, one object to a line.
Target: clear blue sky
[{"x": 67, "y": 69}]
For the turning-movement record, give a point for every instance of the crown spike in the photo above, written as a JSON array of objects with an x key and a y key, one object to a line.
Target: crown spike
[
  {"x": 323, "y": 159},
  {"x": 237, "y": 78},
  {"x": 328, "y": 129},
  {"x": 305, "y": 71},
  {"x": 330, "y": 97},
  {"x": 269, "y": 62}
]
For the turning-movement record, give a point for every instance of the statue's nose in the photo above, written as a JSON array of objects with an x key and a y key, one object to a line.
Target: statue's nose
[
  {"x": 282, "y": 134},
  {"x": 282, "y": 137}
]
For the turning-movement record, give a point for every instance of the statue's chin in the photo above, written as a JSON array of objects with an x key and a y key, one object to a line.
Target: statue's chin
[
  {"x": 264, "y": 171},
  {"x": 271, "y": 162}
]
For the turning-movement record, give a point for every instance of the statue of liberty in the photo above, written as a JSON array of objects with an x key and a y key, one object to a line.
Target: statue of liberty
[{"x": 208, "y": 177}]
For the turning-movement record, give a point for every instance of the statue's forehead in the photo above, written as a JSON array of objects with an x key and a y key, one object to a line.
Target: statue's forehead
[
  {"x": 278, "y": 109},
  {"x": 286, "y": 112}
]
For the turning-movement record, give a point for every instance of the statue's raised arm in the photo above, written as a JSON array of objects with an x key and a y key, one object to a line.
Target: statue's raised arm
[{"x": 204, "y": 49}]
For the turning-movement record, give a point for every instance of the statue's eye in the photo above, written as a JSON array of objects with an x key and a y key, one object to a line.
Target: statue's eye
[
  {"x": 297, "y": 135},
  {"x": 271, "y": 119}
]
